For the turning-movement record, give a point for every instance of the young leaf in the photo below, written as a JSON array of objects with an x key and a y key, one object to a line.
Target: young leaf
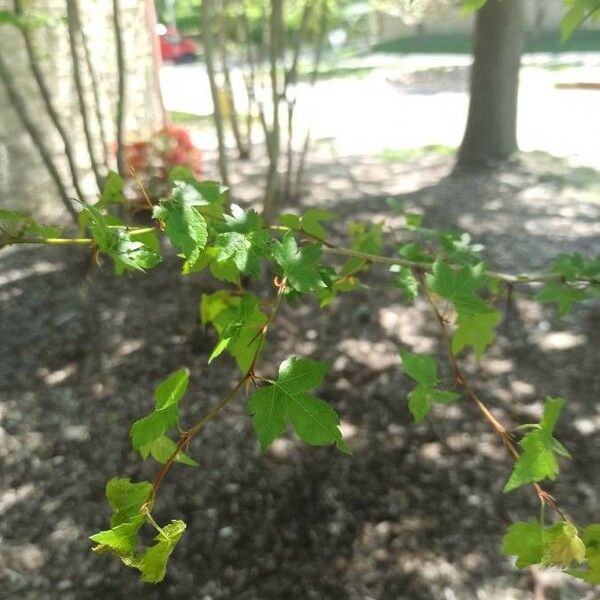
[
  {"x": 299, "y": 265},
  {"x": 243, "y": 249},
  {"x": 561, "y": 294},
  {"x": 562, "y": 545},
  {"x": 238, "y": 321},
  {"x": 206, "y": 196},
  {"x": 423, "y": 369},
  {"x": 459, "y": 287},
  {"x": 591, "y": 539},
  {"x": 538, "y": 459},
  {"x": 126, "y": 499},
  {"x": 472, "y": 6},
  {"x": 112, "y": 192},
  {"x": 121, "y": 539},
  {"x": 420, "y": 367},
  {"x": 309, "y": 222},
  {"x": 525, "y": 541},
  {"x": 287, "y": 399},
  {"x": 184, "y": 225},
  {"x": 153, "y": 563},
  {"x": 161, "y": 450},
  {"x": 172, "y": 389},
  {"x": 167, "y": 395},
  {"x": 406, "y": 281},
  {"x": 477, "y": 331}
]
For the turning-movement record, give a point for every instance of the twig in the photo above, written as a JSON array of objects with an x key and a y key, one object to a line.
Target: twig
[
  {"x": 249, "y": 375},
  {"x": 461, "y": 380}
]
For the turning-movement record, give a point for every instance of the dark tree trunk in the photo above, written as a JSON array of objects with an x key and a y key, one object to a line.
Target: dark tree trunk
[{"x": 491, "y": 133}]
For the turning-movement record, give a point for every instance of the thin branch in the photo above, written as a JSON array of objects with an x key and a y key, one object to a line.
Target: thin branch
[
  {"x": 95, "y": 90},
  {"x": 461, "y": 379},
  {"x": 122, "y": 85},
  {"x": 233, "y": 116},
  {"x": 248, "y": 376},
  {"x": 334, "y": 249},
  {"x": 74, "y": 27}
]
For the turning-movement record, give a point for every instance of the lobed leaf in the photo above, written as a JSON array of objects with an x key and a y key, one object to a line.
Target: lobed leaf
[{"x": 287, "y": 400}]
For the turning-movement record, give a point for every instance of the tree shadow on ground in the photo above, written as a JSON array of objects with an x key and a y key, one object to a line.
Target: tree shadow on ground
[{"x": 416, "y": 512}]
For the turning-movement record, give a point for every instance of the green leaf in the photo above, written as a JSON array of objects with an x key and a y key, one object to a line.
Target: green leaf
[
  {"x": 562, "y": 545},
  {"x": 162, "y": 448},
  {"x": 561, "y": 294},
  {"x": 419, "y": 403},
  {"x": 459, "y": 287},
  {"x": 171, "y": 390},
  {"x": 167, "y": 396},
  {"x": 477, "y": 331},
  {"x": 538, "y": 459},
  {"x": 184, "y": 226},
  {"x": 525, "y": 541},
  {"x": 241, "y": 221},
  {"x": 238, "y": 321},
  {"x": 552, "y": 409},
  {"x": 287, "y": 399},
  {"x": 301, "y": 266},
  {"x": 153, "y": 562},
  {"x": 244, "y": 250},
  {"x": 536, "y": 462},
  {"x": 579, "y": 11},
  {"x": 420, "y": 367},
  {"x": 423, "y": 369},
  {"x": 206, "y": 196},
  {"x": 126, "y": 499},
  {"x": 126, "y": 252},
  {"x": 121, "y": 539},
  {"x": 591, "y": 539},
  {"x": 364, "y": 239},
  {"x": 309, "y": 222},
  {"x": 470, "y": 6},
  {"x": 112, "y": 192},
  {"x": 152, "y": 426},
  {"x": 301, "y": 374},
  {"x": 415, "y": 252},
  {"x": 406, "y": 282}
]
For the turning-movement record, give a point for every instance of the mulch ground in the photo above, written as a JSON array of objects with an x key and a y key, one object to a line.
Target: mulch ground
[{"x": 415, "y": 513}]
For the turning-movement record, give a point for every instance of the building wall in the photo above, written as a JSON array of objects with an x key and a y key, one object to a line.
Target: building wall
[
  {"x": 25, "y": 184},
  {"x": 540, "y": 15}
]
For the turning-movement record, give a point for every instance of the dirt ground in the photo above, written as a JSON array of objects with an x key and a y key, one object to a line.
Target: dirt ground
[{"x": 415, "y": 513}]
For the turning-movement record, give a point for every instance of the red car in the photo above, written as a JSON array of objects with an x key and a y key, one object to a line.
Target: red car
[{"x": 176, "y": 49}]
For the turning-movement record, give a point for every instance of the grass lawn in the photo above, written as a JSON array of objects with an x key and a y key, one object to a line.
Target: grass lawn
[{"x": 546, "y": 41}]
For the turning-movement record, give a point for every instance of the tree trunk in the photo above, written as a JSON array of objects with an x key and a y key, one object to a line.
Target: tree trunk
[
  {"x": 276, "y": 45},
  {"x": 74, "y": 27},
  {"x": 491, "y": 133},
  {"x": 122, "y": 83},
  {"x": 38, "y": 75},
  {"x": 208, "y": 42},
  {"x": 38, "y": 139}
]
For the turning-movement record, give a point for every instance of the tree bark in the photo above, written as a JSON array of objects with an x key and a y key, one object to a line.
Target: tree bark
[
  {"x": 122, "y": 84},
  {"x": 18, "y": 103},
  {"x": 491, "y": 133},
  {"x": 48, "y": 103},
  {"x": 275, "y": 50},
  {"x": 74, "y": 27}
]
